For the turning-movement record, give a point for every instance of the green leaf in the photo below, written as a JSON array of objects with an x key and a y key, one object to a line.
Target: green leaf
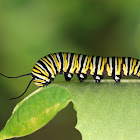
[
  {"x": 35, "y": 111},
  {"x": 108, "y": 110}
]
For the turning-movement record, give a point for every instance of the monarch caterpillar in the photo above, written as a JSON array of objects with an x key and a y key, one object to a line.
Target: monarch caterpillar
[{"x": 45, "y": 70}]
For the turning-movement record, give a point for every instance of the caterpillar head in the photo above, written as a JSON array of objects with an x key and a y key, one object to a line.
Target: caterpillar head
[{"x": 40, "y": 80}]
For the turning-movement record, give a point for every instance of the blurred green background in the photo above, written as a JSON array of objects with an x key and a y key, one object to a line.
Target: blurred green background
[{"x": 31, "y": 29}]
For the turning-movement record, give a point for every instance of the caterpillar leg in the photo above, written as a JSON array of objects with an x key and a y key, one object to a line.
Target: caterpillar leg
[
  {"x": 47, "y": 83},
  {"x": 98, "y": 78},
  {"x": 68, "y": 76},
  {"x": 117, "y": 78},
  {"x": 81, "y": 76}
]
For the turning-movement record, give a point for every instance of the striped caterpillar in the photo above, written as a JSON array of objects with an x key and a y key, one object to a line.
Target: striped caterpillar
[{"x": 45, "y": 70}]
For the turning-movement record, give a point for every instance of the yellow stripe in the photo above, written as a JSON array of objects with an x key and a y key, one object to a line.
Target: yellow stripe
[
  {"x": 83, "y": 69},
  {"x": 132, "y": 68},
  {"x": 87, "y": 65},
  {"x": 46, "y": 61},
  {"x": 43, "y": 77},
  {"x": 51, "y": 66},
  {"x": 91, "y": 68},
  {"x": 39, "y": 80},
  {"x": 124, "y": 70},
  {"x": 77, "y": 66},
  {"x": 100, "y": 72},
  {"x": 135, "y": 70},
  {"x": 42, "y": 71},
  {"x": 138, "y": 74},
  {"x": 75, "y": 63},
  {"x": 65, "y": 62},
  {"x": 118, "y": 71},
  {"x": 38, "y": 84},
  {"x": 34, "y": 70},
  {"x": 57, "y": 63},
  {"x": 109, "y": 71}
]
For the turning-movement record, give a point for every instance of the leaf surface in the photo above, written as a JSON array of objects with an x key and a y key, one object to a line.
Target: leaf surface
[
  {"x": 35, "y": 111},
  {"x": 107, "y": 110}
]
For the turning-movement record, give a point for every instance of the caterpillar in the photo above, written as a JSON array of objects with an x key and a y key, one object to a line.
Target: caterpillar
[{"x": 45, "y": 70}]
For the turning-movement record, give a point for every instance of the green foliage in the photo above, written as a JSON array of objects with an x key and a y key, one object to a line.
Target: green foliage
[
  {"x": 107, "y": 111},
  {"x": 104, "y": 111},
  {"x": 35, "y": 111}
]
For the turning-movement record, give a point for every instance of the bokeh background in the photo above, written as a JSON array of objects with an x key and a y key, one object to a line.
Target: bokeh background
[{"x": 30, "y": 29}]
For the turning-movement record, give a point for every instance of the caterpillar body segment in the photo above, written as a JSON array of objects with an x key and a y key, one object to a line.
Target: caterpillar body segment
[
  {"x": 68, "y": 64},
  {"x": 46, "y": 69}
]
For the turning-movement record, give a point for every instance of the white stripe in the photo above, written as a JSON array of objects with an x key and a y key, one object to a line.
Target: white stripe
[
  {"x": 99, "y": 64},
  {"x": 80, "y": 59},
  {"x": 51, "y": 63},
  {"x": 59, "y": 61},
  {"x": 116, "y": 66},
  {"x": 126, "y": 64},
  {"x": 63, "y": 61},
  {"x": 42, "y": 68},
  {"x": 110, "y": 63},
  {"x": 94, "y": 62},
  {"x": 72, "y": 63},
  {"x": 130, "y": 66},
  {"x": 50, "y": 70},
  {"x": 68, "y": 60},
  {"x": 138, "y": 67},
  {"x": 40, "y": 77},
  {"x": 54, "y": 62}
]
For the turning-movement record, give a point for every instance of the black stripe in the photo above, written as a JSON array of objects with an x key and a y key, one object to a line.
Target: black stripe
[
  {"x": 50, "y": 56},
  {"x": 87, "y": 64},
  {"x": 57, "y": 60},
  {"x": 135, "y": 66},
  {"x": 113, "y": 66},
  {"x": 36, "y": 69},
  {"x": 117, "y": 62},
  {"x": 82, "y": 62},
  {"x": 129, "y": 60},
  {"x": 96, "y": 64},
  {"x": 119, "y": 66},
  {"x": 101, "y": 62},
  {"x": 138, "y": 68},
  {"x": 61, "y": 59},
  {"x": 108, "y": 60},
  {"x": 88, "y": 72},
  {"x": 43, "y": 65},
  {"x": 38, "y": 78},
  {"x": 123, "y": 60},
  {"x": 70, "y": 61},
  {"x": 46, "y": 59}
]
